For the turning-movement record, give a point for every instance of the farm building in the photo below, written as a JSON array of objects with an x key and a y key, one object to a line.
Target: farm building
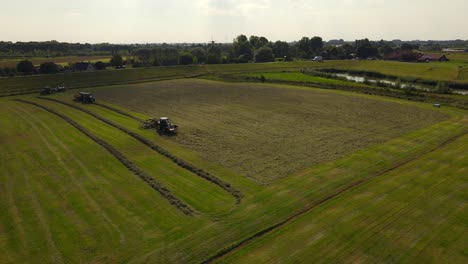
[
  {"x": 84, "y": 66},
  {"x": 432, "y": 57}
]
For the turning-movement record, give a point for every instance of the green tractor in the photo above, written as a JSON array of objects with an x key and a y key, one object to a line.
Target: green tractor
[
  {"x": 85, "y": 98},
  {"x": 164, "y": 126},
  {"x": 47, "y": 90}
]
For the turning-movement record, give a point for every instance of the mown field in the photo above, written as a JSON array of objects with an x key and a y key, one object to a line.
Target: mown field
[
  {"x": 267, "y": 132},
  {"x": 344, "y": 177}
]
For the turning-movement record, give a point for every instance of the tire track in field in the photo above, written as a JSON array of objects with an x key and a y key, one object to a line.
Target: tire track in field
[
  {"x": 181, "y": 163},
  {"x": 153, "y": 183},
  {"x": 56, "y": 255},
  {"x": 13, "y": 209},
  {"x": 56, "y": 152},
  {"x": 237, "y": 245}
]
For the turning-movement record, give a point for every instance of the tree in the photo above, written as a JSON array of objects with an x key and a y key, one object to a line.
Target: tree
[
  {"x": 144, "y": 55},
  {"x": 199, "y": 54},
  {"x": 117, "y": 61},
  {"x": 242, "y": 47},
  {"x": 304, "y": 46},
  {"x": 316, "y": 45},
  {"x": 264, "y": 54},
  {"x": 442, "y": 88},
  {"x": 262, "y": 41},
  {"x": 25, "y": 67},
  {"x": 100, "y": 65},
  {"x": 185, "y": 58},
  {"x": 281, "y": 49},
  {"x": 48, "y": 68},
  {"x": 212, "y": 58},
  {"x": 254, "y": 41}
]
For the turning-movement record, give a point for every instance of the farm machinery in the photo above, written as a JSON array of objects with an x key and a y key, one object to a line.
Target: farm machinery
[
  {"x": 85, "y": 98},
  {"x": 163, "y": 125},
  {"x": 47, "y": 90}
]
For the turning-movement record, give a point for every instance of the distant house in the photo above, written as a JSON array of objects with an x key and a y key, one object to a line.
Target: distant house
[
  {"x": 84, "y": 66},
  {"x": 432, "y": 57}
]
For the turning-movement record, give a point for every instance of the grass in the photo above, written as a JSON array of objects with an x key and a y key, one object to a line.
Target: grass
[
  {"x": 66, "y": 199},
  {"x": 265, "y": 132},
  {"x": 414, "y": 214},
  {"x": 298, "y": 77}
]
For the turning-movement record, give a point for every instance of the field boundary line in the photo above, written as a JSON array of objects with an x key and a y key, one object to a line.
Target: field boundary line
[
  {"x": 237, "y": 245},
  {"x": 180, "y": 162},
  {"x": 153, "y": 183}
]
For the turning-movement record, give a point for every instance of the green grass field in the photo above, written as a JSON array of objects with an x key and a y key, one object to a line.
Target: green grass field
[{"x": 326, "y": 175}]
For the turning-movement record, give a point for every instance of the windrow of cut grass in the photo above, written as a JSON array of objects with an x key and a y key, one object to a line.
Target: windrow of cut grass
[
  {"x": 209, "y": 198},
  {"x": 184, "y": 164},
  {"x": 153, "y": 183}
]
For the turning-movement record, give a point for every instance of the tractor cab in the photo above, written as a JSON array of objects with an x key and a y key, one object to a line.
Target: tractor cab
[
  {"x": 165, "y": 126},
  {"x": 85, "y": 98},
  {"x": 60, "y": 89},
  {"x": 46, "y": 91}
]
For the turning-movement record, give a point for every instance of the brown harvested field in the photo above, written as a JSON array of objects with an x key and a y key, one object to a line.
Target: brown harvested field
[{"x": 266, "y": 132}]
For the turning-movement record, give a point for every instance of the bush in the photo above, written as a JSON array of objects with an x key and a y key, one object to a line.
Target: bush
[
  {"x": 212, "y": 58},
  {"x": 49, "y": 68},
  {"x": 100, "y": 65},
  {"x": 264, "y": 54},
  {"x": 25, "y": 66},
  {"x": 442, "y": 88},
  {"x": 185, "y": 58}
]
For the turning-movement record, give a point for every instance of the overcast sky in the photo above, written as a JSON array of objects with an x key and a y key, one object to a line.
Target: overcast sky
[{"x": 156, "y": 21}]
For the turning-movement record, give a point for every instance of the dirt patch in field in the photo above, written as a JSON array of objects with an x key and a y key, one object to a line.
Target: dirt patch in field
[{"x": 267, "y": 132}]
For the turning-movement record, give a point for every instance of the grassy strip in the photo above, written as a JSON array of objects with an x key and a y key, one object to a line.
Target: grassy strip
[
  {"x": 153, "y": 183},
  {"x": 184, "y": 164},
  {"x": 120, "y": 112},
  {"x": 223, "y": 252}
]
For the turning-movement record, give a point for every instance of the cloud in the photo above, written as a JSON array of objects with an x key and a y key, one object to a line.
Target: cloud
[{"x": 233, "y": 7}]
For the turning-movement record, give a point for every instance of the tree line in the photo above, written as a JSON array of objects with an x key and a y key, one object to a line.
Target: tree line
[{"x": 243, "y": 49}]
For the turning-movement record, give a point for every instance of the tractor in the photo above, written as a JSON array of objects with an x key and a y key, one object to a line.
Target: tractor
[
  {"x": 60, "y": 89},
  {"x": 166, "y": 127},
  {"x": 163, "y": 125},
  {"x": 47, "y": 90},
  {"x": 85, "y": 98}
]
